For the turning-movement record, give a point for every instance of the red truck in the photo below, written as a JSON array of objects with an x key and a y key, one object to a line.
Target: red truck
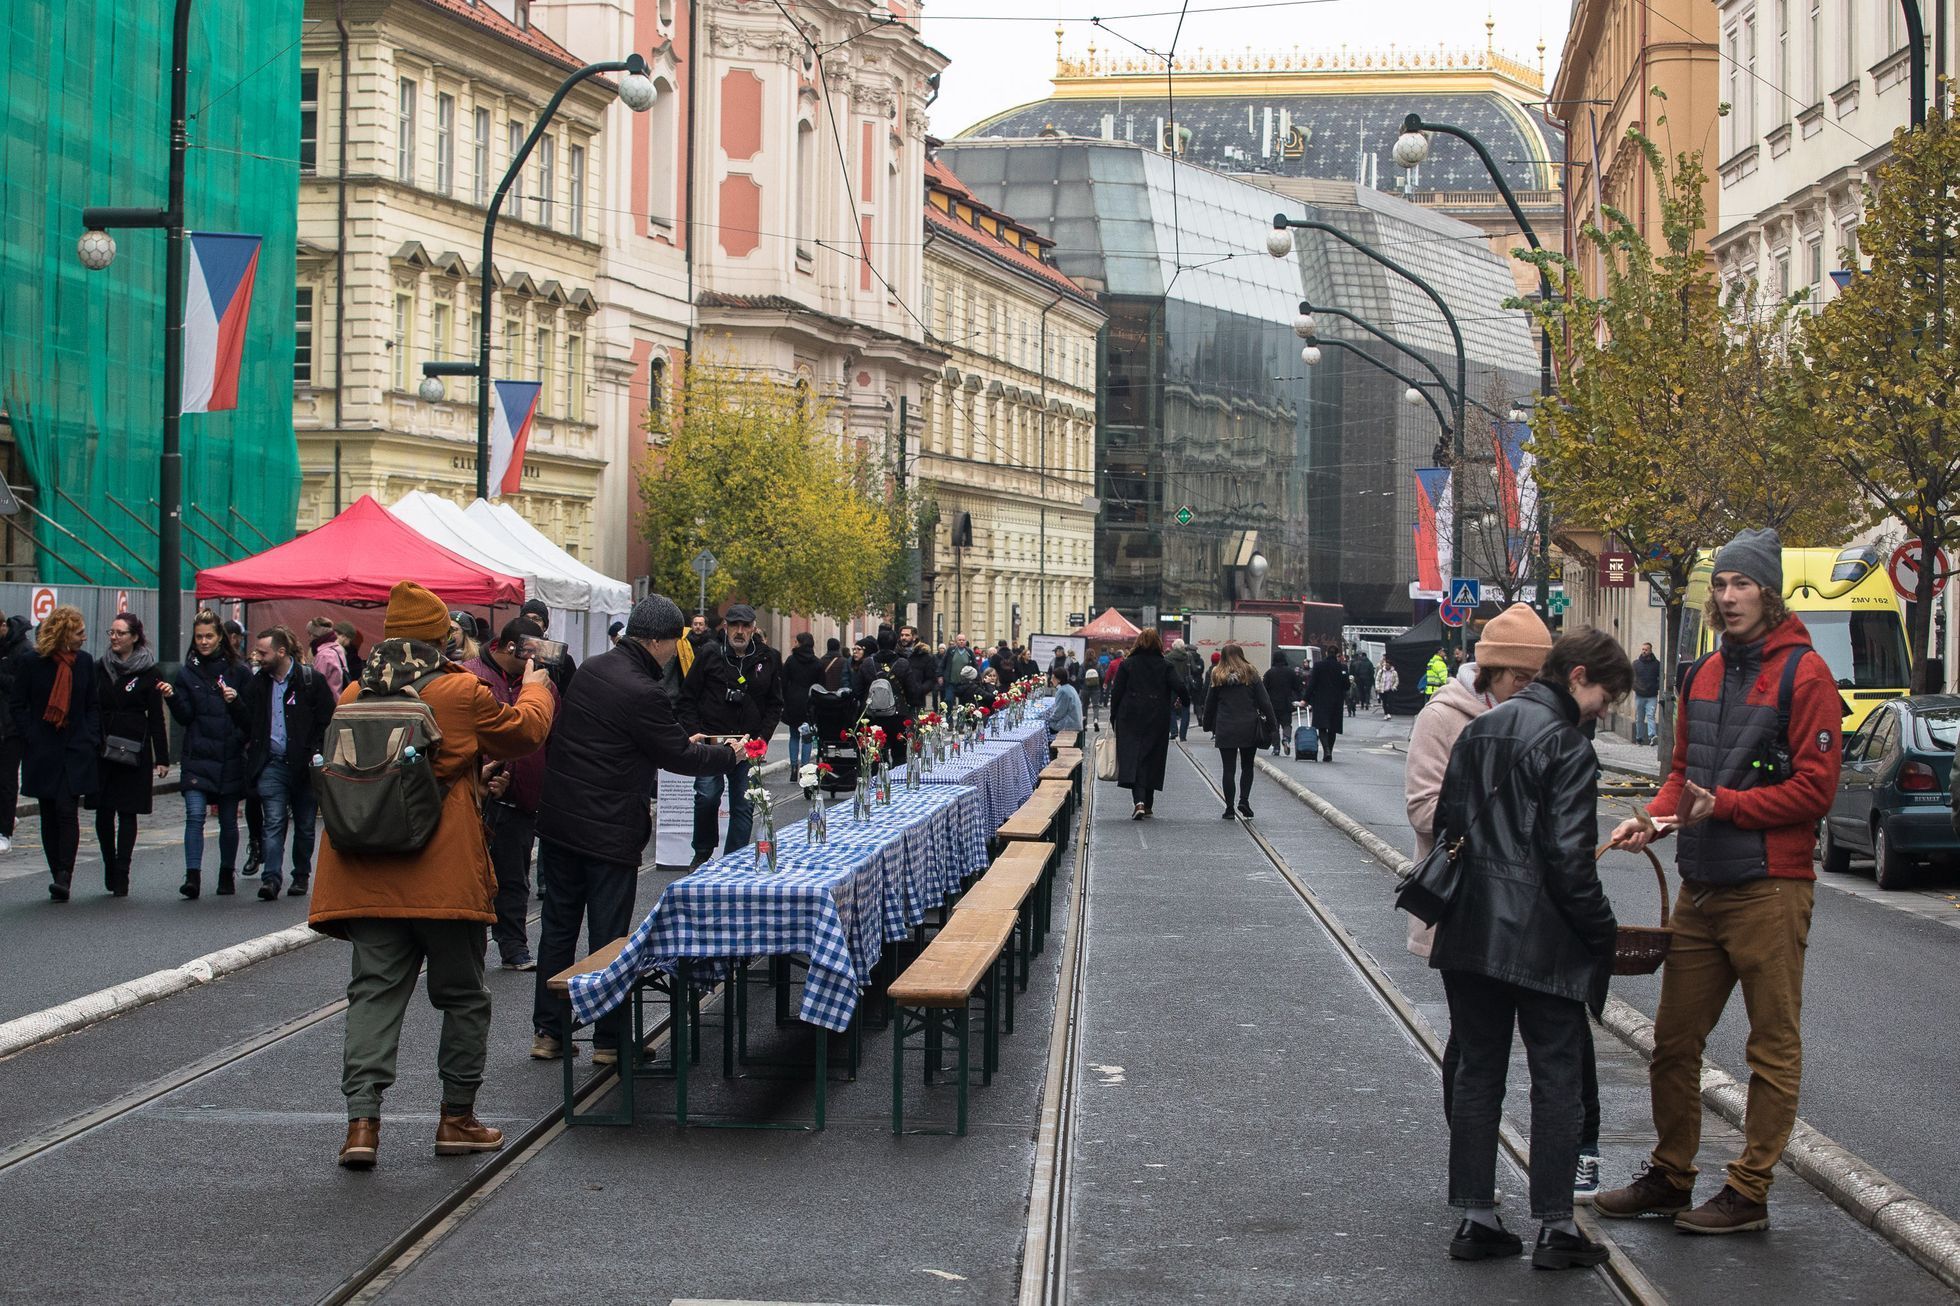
[{"x": 1298, "y": 622}]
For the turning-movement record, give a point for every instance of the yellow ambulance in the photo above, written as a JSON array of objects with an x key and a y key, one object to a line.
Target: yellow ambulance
[{"x": 1855, "y": 619}]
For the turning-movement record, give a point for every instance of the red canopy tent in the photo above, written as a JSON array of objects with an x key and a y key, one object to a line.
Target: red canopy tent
[
  {"x": 355, "y": 559},
  {"x": 1112, "y": 627}
]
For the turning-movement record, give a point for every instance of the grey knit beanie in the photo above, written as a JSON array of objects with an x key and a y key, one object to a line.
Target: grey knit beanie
[
  {"x": 1757, "y": 554},
  {"x": 655, "y": 617}
]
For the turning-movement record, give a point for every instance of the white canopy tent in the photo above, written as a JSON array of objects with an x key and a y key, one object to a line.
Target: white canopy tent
[{"x": 611, "y": 598}]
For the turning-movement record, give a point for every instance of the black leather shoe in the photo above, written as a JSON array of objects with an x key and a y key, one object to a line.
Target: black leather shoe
[
  {"x": 1227, "y": 814},
  {"x": 227, "y": 884},
  {"x": 1480, "y": 1242},
  {"x": 1558, "y": 1250},
  {"x": 192, "y": 885},
  {"x": 297, "y": 888},
  {"x": 1245, "y": 810},
  {"x": 269, "y": 887}
]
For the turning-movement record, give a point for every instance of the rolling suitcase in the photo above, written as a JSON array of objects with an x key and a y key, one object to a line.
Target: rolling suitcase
[{"x": 1306, "y": 740}]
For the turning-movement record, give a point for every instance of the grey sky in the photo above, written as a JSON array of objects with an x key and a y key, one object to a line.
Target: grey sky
[{"x": 1003, "y": 51}]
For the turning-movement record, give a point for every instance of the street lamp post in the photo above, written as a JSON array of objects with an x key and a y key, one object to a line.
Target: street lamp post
[
  {"x": 1415, "y": 393},
  {"x": 637, "y": 92},
  {"x": 1279, "y": 243},
  {"x": 1411, "y": 148},
  {"x": 97, "y": 249}
]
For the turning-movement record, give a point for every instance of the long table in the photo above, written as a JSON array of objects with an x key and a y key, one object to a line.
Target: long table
[
  {"x": 837, "y": 903},
  {"x": 1005, "y": 769}
]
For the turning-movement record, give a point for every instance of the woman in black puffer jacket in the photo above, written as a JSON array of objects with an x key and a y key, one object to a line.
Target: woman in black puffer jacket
[
  {"x": 1239, "y": 716},
  {"x": 130, "y": 696},
  {"x": 214, "y": 748}
]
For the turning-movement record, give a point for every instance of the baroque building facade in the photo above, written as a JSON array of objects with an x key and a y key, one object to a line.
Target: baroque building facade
[
  {"x": 409, "y": 116},
  {"x": 1006, "y": 439}
]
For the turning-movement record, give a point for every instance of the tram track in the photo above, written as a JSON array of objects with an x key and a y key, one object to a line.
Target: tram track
[{"x": 1620, "y": 1274}]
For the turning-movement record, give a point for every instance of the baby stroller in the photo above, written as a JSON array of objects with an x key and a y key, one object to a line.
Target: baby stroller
[{"x": 832, "y": 715}]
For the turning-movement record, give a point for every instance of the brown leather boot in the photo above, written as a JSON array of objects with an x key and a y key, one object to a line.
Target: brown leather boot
[
  {"x": 460, "y": 1133},
  {"x": 1650, "y": 1193},
  {"x": 363, "y": 1140}
]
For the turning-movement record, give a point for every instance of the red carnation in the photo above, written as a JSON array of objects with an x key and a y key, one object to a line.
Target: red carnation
[{"x": 755, "y": 748}]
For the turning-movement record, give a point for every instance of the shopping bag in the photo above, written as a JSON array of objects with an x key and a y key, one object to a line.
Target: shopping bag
[{"x": 1105, "y": 758}]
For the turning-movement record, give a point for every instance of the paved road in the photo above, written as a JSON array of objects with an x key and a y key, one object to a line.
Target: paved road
[{"x": 1880, "y": 989}]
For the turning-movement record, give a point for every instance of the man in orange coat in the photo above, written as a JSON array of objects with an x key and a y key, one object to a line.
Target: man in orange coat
[{"x": 433, "y": 905}]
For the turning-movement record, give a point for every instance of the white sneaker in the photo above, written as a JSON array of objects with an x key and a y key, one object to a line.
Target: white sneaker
[
  {"x": 6, "y": 844},
  {"x": 1585, "y": 1181}
]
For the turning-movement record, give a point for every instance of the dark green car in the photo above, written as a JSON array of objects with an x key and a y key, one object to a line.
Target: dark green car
[{"x": 1894, "y": 803}]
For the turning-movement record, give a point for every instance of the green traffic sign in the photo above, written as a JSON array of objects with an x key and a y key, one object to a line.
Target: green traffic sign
[
  {"x": 1559, "y": 603},
  {"x": 1184, "y": 516}
]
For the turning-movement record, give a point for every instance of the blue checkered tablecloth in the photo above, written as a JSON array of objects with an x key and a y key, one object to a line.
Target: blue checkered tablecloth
[
  {"x": 1003, "y": 770},
  {"x": 837, "y": 904}
]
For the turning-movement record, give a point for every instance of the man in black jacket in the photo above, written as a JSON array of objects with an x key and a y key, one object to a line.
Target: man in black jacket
[
  {"x": 921, "y": 669},
  {"x": 734, "y": 688},
  {"x": 615, "y": 732},
  {"x": 13, "y": 642},
  {"x": 1646, "y": 691},
  {"x": 284, "y": 711}
]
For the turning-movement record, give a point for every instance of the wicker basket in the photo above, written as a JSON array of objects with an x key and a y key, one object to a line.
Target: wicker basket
[{"x": 1640, "y": 949}]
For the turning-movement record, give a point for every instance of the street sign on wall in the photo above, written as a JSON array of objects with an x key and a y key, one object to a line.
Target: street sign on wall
[
  {"x": 1078, "y": 619},
  {"x": 1616, "y": 571},
  {"x": 1452, "y": 615}
]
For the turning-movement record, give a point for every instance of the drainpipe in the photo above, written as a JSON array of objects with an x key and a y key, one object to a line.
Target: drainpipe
[{"x": 340, "y": 240}]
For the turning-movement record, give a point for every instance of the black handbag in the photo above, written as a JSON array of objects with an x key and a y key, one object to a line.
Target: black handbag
[
  {"x": 1427, "y": 888},
  {"x": 121, "y": 751}
]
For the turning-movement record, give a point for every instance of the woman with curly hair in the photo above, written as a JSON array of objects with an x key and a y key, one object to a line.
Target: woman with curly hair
[{"x": 57, "y": 714}]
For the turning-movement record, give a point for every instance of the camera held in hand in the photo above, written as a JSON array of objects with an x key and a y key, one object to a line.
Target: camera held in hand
[{"x": 735, "y": 694}]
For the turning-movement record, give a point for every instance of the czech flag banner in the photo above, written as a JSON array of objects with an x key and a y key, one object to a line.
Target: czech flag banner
[
  {"x": 512, "y": 406},
  {"x": 1434, "y": 507},
  {"x": 216, "y": 307},
  {"x": 1517, "y": 487}
]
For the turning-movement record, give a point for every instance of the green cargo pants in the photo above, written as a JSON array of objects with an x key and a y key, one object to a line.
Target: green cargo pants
[{"x": 388, "y": 954}]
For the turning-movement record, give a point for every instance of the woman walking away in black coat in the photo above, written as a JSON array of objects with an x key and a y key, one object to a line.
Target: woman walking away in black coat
[
  {"x": 55, "y": 708},
  {"x": 213, "y": 759},
  {"x": 1240, "y": 715},
  {"x": 1145, "y": 692},
  {"x": 1283, "y": 692},
  {"x": 135, "y": 745},
  {"x": 1528, "y": 937},
  {"x": 1327, "y": 691}
]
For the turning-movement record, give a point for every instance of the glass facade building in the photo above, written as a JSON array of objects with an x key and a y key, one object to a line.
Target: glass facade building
[{"x": 1205, "y": 402}]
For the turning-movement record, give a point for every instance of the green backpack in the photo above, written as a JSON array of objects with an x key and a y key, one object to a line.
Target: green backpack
[{"x": 375, "y": 776}]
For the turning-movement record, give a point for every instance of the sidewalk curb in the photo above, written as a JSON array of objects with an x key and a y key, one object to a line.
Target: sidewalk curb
[
  {"x": 1929, "y": 1236},
  {"x": 24, "y": 1032}
]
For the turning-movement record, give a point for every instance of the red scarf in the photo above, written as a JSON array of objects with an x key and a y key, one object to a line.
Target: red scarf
[{"x": 64, "y": 685}]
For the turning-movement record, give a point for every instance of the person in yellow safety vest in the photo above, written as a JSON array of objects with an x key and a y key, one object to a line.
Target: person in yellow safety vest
[{"x": 1435, "y": 675}]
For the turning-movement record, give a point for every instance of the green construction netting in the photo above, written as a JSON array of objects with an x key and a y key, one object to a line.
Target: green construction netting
[{"x": 86, "y": 93}]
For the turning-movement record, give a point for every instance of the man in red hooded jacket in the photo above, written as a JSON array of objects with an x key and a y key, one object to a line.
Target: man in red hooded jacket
[
  {"x": 1746, "y": 794},
  {"x": 511, "y": 793}
]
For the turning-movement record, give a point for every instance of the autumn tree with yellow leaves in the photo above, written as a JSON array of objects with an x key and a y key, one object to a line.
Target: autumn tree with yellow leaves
[
  {"x": 749, "y": 470},
  {"x": 1678, "y": 419},
  {"x": 1884, "y": 357}
]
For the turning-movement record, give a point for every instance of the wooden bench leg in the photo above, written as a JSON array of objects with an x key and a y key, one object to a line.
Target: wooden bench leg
[
  {"x": 684, "y": 1001},
  {"x": 898, "y": 1066},
  {"x": 932, "y": 1044},
  {"x": 966, "y": 1023},
  {"x": 997, "y": 994}
]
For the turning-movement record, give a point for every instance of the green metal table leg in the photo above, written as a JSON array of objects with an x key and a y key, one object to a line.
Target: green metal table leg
[
  {"x": 932, "y": 1045},
  {"x": 966, "y": 1022},
  {"x": 823, "y": 1072},
  {"x": 898, "y": 1068}
]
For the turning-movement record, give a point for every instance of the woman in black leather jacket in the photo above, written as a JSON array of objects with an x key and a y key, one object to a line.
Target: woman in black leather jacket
[{"x": 1528, "y": 937}]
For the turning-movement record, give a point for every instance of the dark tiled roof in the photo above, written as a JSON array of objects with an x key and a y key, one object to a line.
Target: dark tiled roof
[
  {"x": 940, "y": 175},
  {"x": 1342, "y": 132}
]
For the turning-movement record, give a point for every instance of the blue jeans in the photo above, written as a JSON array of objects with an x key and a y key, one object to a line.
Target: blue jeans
[
  {"x": 196, "y": 804},
  {"x": 800, "y": 751},
  {"x": 287, "y": 799},
  {"x": 707, "y": 806},
  {"x": 1643, "y": 719}
]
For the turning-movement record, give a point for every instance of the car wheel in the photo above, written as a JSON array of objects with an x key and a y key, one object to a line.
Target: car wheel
[
  {"x": 1889, "y": 869},
  {"x": 1837, "y": 859}
]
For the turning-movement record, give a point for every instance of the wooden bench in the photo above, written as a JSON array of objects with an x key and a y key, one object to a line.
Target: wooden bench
[
  {"x": 684, "y": 1024},
  {"x": 1066, "y": 768},
  {"x": 1063, "y": 739},
  {"x": 966, "y": 958},
  {"x": 1016, "y": 882}
]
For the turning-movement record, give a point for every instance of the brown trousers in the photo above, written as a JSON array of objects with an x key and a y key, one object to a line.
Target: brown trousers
[{"x": 1756, "y": 933}]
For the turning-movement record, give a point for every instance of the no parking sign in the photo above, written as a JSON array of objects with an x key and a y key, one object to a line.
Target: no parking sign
[{"x": 41, "y": 604}]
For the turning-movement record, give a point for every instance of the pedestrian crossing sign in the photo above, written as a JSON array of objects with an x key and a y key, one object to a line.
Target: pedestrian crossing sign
[{"x": 1466, "y": 593}]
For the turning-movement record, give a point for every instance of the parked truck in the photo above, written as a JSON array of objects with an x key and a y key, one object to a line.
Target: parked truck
[
  {"x": 1255, "y": 632},
  {"x": 1298, "y": 622}
]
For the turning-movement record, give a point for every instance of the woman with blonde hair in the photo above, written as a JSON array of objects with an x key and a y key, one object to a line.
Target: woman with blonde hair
[
  {"x": 1240, "y": 719},
  {"x": 58, "y": 716}
]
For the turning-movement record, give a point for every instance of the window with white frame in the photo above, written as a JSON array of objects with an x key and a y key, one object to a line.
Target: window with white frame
[
  {"x": 1848, "y": 40},
  {"x": 575, "y": 210},
  {"x": 405, "y": 131},
  {"x": 480, "y": 158},
  {"x": 513, "y": 363},
  {"x": 1748, "y": 104},
  {"x": 303, "y": 336},
  {"x": 514, "y": 136},
  {"x": 445, "y": 143},
  {"x": 1815, "y": 41},
  {"x": 309, "y": 121},
  {"x": 547, "y": 178},
  {"x": 664, "y": 167},
  {"x": 1779, "y": 95},
  {"x": 1813, "y": 267},
  {"x": 1782, "y": 283},
  {"x": 1732, "y": 137},
  {"x": 403, "y": 340},
  {"x": 575, "y": 376},
  {"x": 440, "y": 318},
  {"x": 547, "y": 397},
  {"x": 807, "y": 217}
]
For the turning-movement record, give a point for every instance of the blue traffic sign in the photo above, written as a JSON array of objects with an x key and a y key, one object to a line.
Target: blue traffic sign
[
  {"x": 1452, "y": 615},
  {"x": 1466, "y": 593}
]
